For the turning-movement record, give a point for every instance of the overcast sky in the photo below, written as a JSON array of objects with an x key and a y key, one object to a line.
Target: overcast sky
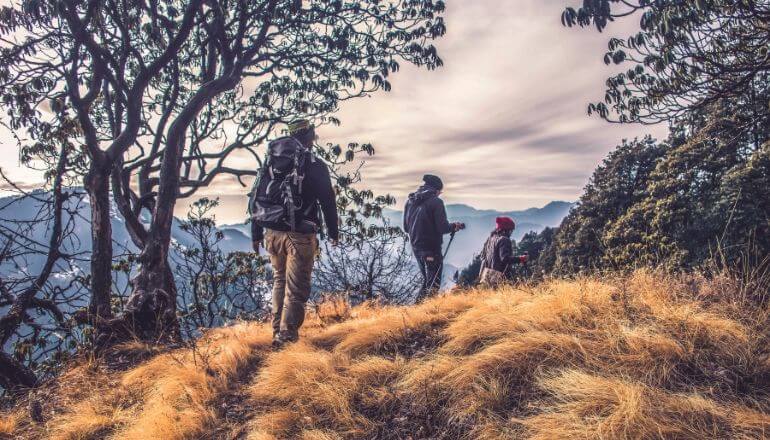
[{"x": 504, "y": 122}]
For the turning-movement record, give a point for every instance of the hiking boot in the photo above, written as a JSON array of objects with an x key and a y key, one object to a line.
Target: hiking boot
[{"x": 279, "y": 343}]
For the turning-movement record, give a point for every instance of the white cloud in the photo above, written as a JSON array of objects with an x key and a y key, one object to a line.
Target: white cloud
[{"x": 504, "y": 122}]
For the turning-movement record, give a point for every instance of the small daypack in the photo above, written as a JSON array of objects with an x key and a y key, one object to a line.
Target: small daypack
[{"x": 276, "y": 198}]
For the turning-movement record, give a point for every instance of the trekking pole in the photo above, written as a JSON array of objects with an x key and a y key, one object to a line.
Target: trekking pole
[{"x": 451, "y": 239}]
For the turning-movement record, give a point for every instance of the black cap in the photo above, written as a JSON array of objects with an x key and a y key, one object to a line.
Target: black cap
[{"x": 433, "y": 182}]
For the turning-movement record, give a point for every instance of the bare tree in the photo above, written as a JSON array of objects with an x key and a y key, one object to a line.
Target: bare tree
[
  {"x": 171, "y": 94},
  {"x": 35, "y": 305},
  {"x": 379, "y": 268},
  {"x": 216, "y": 287}
]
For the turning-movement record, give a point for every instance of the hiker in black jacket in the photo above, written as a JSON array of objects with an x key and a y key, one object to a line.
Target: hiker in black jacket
[
  {"x": 497, "y": 256},
  {"x": 293, "y": 248},
  {"x": 426, "y": 223}
]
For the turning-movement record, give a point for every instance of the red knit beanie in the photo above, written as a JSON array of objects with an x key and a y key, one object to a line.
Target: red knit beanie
[{"x": 505, "y": 223}]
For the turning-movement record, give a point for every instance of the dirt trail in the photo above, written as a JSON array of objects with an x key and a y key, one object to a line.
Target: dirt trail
[
  {"x": 234, "y": 408},
  {"x": 611, "y": 358}
]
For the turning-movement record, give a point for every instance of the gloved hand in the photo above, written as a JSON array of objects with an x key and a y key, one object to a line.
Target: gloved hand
[
  {"x": 523, "y": 259},
  {"x": 457, "y": 226}
]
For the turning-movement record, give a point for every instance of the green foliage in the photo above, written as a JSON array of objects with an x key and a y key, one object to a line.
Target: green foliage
[
  {"x": 703, "y": 67},
  {"x": 617, "y": 184},
  {"x": 538, "y": 246},
  {"x": 687, "y": 55},
  {"x": 679, "y": 203},
  {"x": 469, "y": 276},
  {"x": 697, "y": 200}
]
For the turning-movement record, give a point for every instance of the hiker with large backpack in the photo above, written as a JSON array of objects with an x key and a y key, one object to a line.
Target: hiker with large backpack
[
  {"x": 497, "y": 255},
  {"x": 425, "y": 221},
  {"x": 291, "y": 187}
]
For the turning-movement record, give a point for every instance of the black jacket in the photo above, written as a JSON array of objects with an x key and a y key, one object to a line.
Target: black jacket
[
  {"x": 316, "y": 190},
  {"x": 425, "y": 221},
  {"x": 498, "y": 253}
]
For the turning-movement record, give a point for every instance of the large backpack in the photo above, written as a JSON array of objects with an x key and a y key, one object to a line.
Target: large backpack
[{"x": 276, "y": 198}]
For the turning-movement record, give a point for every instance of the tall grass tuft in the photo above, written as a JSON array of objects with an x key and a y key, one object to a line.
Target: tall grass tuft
[{"x": 640, "y": 356}]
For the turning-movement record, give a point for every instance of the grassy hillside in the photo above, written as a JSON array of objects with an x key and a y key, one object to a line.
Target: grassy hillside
[{"x": 638, "y": 357}]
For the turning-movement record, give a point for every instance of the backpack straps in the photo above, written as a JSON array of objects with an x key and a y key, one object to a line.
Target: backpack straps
[{"x": 290, "y": 201}]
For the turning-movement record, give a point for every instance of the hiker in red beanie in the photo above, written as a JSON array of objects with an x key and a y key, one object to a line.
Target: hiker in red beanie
[{"x": 497, "y": 256}]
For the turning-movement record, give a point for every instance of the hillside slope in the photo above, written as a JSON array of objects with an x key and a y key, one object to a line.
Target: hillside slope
[{"x": 638, "y": 357}]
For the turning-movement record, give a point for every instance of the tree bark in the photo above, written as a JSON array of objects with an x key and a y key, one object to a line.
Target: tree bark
[
  {"x": 151, "y": 310},
  {"x": 97, "y": 183},
  {"x": 14, "y": 374}
]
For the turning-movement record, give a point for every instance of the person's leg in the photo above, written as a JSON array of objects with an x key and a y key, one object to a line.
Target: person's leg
[
  {"x": 299, "y": 270},
  {"x": 434, "y": 268},
  {"x": 423, "y": 271},
  {"x": 278, "y": 257}
]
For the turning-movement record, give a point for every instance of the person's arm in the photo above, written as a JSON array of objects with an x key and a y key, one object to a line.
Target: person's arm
[
  {"x": 440, "y": 221},
  {"x": 505, "y": 252},
  {"x": 406, "y": 216},
  {"x": 328, "y": 201},
  {"x": 257, "y": 235}
]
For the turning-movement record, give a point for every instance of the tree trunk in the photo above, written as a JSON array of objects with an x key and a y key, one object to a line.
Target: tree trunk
[
  {"x": 151, "y": 310},
  {"x": 14, "y": 374},
  {"x": 97, "y": 184}
]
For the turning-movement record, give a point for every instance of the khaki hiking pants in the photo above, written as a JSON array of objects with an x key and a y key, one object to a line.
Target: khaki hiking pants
[{"x": 292, "y": 255}]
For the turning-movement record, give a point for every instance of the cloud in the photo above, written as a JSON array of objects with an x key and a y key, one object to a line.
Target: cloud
[
  {"x": 504, "y": 121},
  {"x": 16, "y": 186}
]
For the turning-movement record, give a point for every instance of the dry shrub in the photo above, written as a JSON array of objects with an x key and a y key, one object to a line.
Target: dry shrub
[
  {"x": 81, "y": 392},
  {"x": 489, "y": 320},
  {"x": 320, "y": 435},
  {"x": 645, "y": 356},
  {"x": 590, "y": 406},
  {"x": 332, "y": 310},
  {"x": 171, "y": 396},
  {"x": 178, "y": 392},
  {"x": 91, "y": 421},
  {"x": 304, "y": 389},
  {"x": 628, "y": 357},
  {"x": 392, "y": 327},
  {"x": 8, "y": 425}
]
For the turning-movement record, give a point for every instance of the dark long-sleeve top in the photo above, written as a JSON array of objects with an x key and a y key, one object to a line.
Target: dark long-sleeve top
[
  {"x": 316, "y": 190},
  {"x": 498, "y": 253},
  {"x": 425, "y": 221}
]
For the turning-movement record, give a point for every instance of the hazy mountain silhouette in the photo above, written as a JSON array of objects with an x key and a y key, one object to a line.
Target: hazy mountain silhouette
[
  {"x": 237, "y": 237},
  {"x": 480, "y": 222}
]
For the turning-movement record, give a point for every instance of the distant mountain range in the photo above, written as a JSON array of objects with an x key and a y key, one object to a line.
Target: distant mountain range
[
  {"x": 238, "y": 237},
  {"x": 21, "y": 209},
  {"x": 480, "y": 222}
]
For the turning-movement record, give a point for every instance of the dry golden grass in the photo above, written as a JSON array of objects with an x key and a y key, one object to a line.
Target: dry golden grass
[
  {"x": 171, "y": 396},
  {"x": 640, "y": 357},
  {"x": 8, "y": 426},
  {"x": 636, "y": 357}
]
